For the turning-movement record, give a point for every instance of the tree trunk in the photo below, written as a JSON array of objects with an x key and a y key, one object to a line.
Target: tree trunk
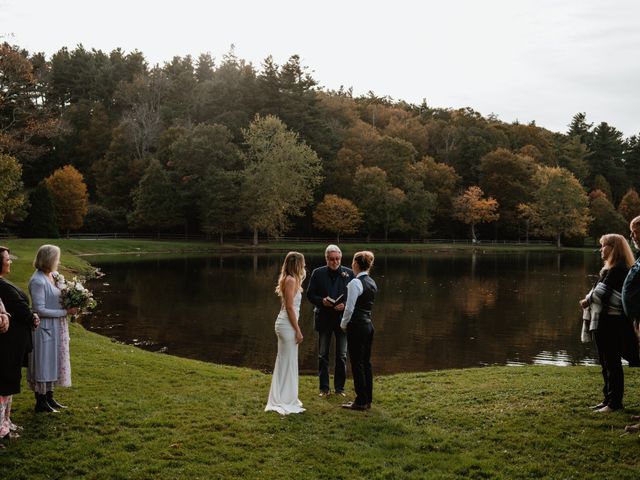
[
  {"x": 474, "y": 239},
  {"x": 338, "y": 238},
  {"x": 221, "y": 238},
  {"x": 558, "y": 244},
  {"x": 255, "y": 237}
]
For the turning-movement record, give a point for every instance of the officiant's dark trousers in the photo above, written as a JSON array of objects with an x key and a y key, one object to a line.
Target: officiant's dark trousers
[
  {"x": 324, "y": 347},
  {"x": 359, "y": 340}
]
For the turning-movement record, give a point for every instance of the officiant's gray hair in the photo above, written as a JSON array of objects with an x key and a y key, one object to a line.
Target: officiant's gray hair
[{"x": 332, "y": 248}]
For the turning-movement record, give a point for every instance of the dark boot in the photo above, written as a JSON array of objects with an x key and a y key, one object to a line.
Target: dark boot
[
  {"x": 52, "y": 402},
  {"x": 42, "y": 405}
]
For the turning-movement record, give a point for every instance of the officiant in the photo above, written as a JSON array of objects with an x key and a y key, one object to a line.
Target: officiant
[{"x": 327, "y": 291}]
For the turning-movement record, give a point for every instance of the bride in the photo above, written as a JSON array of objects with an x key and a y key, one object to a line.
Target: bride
[{"x": 283, "y": 396}]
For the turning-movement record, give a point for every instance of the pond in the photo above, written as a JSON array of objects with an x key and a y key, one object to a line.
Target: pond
[{"x": 434, "y": 310}]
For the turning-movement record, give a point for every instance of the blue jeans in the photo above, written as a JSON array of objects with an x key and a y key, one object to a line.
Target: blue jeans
[{"x": 324, "y": 346}]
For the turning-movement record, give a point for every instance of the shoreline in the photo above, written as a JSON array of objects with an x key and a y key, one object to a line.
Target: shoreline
[{"x": 135, "y": 414}]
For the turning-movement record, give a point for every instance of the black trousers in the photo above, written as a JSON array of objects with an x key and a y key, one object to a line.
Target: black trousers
[
  {"x": 609, "y": 342},
  {"x": 359, "y": 340}
]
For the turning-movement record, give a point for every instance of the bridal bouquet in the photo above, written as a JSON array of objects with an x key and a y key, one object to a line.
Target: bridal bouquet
[{"x": 73, "y": 294}]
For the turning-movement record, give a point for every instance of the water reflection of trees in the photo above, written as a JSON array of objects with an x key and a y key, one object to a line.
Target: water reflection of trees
[{"x": 433, "y": 311}]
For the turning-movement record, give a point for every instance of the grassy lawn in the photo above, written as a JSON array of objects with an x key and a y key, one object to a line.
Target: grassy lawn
[{"x": 142, "y": 415}]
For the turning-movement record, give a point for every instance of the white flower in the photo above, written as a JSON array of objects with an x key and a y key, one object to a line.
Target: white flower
[{"x": 79, "y": 287}]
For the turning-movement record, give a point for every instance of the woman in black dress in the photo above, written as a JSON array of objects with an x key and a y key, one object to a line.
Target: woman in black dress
[
  {"x": 608, "y": 323},
  {"x": 15, "y": 343}
]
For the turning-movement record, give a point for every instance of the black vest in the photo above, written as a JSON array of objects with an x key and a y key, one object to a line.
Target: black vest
[{"x": 364, "y": 303}]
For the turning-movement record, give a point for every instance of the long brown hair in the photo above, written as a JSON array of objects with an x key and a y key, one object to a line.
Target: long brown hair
[
  {"x": 293, "y": 266},
  {"x": 620, "y": 250}
]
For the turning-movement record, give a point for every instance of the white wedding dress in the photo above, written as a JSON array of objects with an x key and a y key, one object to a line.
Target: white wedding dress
[{"x": 283, "y": 396}]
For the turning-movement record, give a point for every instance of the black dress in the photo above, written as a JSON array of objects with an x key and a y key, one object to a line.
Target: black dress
[{"x": 16, "y": 342}]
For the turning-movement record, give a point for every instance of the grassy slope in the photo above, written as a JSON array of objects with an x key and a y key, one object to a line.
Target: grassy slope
[{"x": 136, "y": 414}]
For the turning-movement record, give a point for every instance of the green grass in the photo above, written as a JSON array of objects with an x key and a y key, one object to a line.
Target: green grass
[{"x": 142, "y": 415}]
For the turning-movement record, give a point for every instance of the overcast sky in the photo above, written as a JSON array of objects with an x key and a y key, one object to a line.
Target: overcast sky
[{"x": 524, "y": 60}]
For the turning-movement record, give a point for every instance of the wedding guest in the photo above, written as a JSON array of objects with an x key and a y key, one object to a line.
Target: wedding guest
[
  {"x": 17, "y": 319},
  {"x": 608, "y": 323},
  {"x": 283, "y": 395},
  {"x": 326, "y": 285},
  {"x": 50, "y": 363},
  {"x": 629, "y": 298},
  {"x": 356, "y": 321}
]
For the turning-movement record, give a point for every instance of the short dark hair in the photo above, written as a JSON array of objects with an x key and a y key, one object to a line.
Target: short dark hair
[{"x": 4, "y": 249}]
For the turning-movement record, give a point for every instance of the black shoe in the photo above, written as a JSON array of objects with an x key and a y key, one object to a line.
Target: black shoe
[
  {"x": 52, "y": 402},
  {"x": 598, "y": 406},
  {"x": 42, "y": 405}
]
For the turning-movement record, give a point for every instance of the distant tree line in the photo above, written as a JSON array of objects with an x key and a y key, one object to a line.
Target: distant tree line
[{"x": 96, "y": 142}]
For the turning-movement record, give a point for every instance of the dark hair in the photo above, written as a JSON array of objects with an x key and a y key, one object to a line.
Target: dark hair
[
  {"x": 2, "y": 250},
  {"x": 364, "y": 260}
]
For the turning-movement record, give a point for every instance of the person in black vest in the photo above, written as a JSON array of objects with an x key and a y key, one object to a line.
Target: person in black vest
[
  {"x": 356, "y": 321},
  {"x": 327, "y": 291}
]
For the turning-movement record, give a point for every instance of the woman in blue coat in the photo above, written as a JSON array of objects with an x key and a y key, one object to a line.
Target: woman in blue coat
[{"x": 50, "y": 363}]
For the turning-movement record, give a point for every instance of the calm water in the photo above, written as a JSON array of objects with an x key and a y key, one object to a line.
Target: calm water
[{"x": 433, "y": 311}]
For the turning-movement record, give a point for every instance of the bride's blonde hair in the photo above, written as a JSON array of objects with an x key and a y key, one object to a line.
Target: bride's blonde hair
[{"x": 293, "y": 266}]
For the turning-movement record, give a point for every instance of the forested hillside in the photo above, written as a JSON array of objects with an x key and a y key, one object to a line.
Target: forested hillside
[{"x": 101, "y": 142}]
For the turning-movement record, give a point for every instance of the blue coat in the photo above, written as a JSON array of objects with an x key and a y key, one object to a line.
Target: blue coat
[{"x": 45, "y": 301}]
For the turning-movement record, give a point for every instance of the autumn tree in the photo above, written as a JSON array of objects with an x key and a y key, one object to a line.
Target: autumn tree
[
  {"x": 337, "y": 215},
  {"x": 70, "y": 197},
  {"x": 507, "y": 177},
  {"x": 12, "y": 197},
  {"x": 393, "y": 155},
  {"x": 409, "y": 128},
  {"x": 604, "y": 217},
  {"x": 27, "y": 125},
  {"x": 279, "y": 178},
  {"x": 471, "y": 208},
  {"x": 560, "y": 205},
  {"x": 629, "y": 206}
]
